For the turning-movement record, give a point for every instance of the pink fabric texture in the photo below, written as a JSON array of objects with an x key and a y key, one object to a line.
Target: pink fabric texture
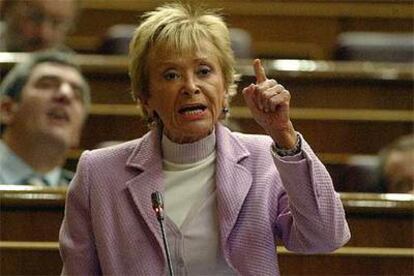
[{"x": 110, "y": 228}]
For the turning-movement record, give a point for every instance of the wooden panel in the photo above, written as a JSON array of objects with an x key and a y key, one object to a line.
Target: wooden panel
[
  {"x": 30, "y": 213},
  {"x": 30, "y": 261},
  {"x": 110, "y": 87},
  {"x": 39, "y": 224},
  {"x": 342, "y": 136},
  {"x": 292, "y": 264},
  {"x": 375, "y": 230},
  {"x": 380, "y": 220},
  {"x": 44, "y": 259},
  {"x": 103, "y": 128},
  {"x": 299, "y": 29},
  {"x": 347, "y": 93}
]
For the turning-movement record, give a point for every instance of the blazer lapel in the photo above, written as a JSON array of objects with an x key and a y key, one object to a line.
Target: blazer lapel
[
  {"x": 146, "y": 159},
  {"x": 233, "y": 181}
]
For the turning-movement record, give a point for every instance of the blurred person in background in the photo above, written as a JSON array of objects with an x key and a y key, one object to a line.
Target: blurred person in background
[
  {"x": 35, "y": 25},
  {"x": 43, "y": 107},
  {"x": 397, "y": 166}
]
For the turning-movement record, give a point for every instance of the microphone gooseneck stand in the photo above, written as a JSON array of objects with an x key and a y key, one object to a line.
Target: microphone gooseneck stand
[{"x": 158, "y": 206}]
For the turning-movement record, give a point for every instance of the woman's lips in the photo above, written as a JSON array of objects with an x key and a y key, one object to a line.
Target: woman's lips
[{"x": 193, "y": 112}]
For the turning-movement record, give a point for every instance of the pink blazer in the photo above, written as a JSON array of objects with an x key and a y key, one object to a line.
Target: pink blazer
[{"x": 110, "y": 228}]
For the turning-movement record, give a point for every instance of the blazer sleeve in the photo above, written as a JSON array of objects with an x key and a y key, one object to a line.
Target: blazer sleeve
[
  {"x": 76, "y": 240},
  {"x": 311, "y": 217}
]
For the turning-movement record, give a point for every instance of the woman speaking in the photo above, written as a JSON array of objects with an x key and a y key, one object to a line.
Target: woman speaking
[{"x": 229, "y": 197}]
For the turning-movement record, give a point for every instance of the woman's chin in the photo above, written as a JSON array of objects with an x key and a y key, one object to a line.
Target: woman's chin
[{"x": 191, "y": 133}]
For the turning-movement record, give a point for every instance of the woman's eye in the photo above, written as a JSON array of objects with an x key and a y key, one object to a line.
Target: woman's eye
[
  {"x": 171, "y": 75},
  {"x": 204, "y": 71}
]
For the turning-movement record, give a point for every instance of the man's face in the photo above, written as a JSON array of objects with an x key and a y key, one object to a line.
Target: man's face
[
  {"x": 38, "y": 24},
  {"x": 51, "y": 107},
  {"x": 399, "y": 171}
]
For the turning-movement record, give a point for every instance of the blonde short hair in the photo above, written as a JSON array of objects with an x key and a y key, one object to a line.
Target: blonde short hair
[{"x": 179, "y": 27}]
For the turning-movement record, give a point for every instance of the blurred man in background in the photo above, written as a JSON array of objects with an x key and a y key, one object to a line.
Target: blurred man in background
[
  {"x": 397, "y": 165},
  {"x": 35, "y": 25},
  {"x": 43, "y": 107}
]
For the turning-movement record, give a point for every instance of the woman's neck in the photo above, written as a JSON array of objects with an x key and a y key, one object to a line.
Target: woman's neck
[{"x": 189, "y": 152}]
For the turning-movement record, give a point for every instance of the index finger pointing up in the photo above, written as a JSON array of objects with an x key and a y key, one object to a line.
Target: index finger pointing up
[{"x": 259, "y": 71}]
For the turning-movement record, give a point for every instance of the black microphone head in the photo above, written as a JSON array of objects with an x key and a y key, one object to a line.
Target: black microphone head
[{"x": 157, "y": 200}]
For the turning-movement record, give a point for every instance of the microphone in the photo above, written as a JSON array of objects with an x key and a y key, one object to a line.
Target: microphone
[{"x": 158, "y": 206}]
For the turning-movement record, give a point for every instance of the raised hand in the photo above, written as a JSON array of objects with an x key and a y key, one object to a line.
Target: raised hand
[{"x": 269, "y": 103}]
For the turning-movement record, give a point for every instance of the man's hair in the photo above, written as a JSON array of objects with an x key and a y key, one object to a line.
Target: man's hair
[
  {"x": 16, "y": 79},
  {"x": 181, "y": 28}
]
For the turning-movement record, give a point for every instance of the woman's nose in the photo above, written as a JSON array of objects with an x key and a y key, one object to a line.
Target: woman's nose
[{"x": 191, "y": 87}]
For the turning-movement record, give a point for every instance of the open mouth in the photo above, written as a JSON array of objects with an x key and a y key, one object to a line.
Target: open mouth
[
  {"x": 58, "y": 115},
  {"x": 192, "y": 109}
]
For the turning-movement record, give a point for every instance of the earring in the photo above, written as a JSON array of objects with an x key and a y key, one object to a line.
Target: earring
[{"x": 152, "y": 119}]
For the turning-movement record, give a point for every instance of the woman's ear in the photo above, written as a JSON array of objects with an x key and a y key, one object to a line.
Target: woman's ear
[
  {"x": 225, "y": 107},
  {"x": 146, "y": 109},
  {"x": 8, "y": 109},
  {"x": 226, "y": 100}
]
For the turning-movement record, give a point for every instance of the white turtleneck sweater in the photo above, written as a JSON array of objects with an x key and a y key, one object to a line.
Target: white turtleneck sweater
[
  {"x": 191, "y": 207},
  {"x": 189, "y": 175}
]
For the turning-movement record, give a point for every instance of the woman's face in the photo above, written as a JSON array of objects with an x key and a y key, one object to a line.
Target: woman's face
[{"x": 186, "y": 91}]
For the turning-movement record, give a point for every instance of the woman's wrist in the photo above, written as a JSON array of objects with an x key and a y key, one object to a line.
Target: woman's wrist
[
  {"x": 285, "y": 139},
  {"x": 297, "y": 148}
]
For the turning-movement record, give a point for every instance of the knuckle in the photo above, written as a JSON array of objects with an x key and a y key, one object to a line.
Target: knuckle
[
  {"x": 272, "y": 82},
  {"x": 268, "y": 93},
  {"x": 280, "y": 87},
  {"x": 287, "y": 93}
]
